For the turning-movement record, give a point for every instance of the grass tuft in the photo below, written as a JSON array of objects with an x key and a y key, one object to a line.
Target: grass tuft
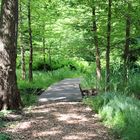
[
  {"x": 119, "y": 112},
  {"x": 4, "y": 136}
]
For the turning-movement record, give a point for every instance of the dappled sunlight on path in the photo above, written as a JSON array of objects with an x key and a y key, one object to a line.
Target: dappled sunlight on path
[{"x": 59, "y": 121}]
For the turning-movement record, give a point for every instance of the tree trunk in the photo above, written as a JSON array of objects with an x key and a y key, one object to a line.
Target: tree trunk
[
  {"x": 50, "y": 55},
  {"x": 126, "y": 47},
  {"x": 108, "y": 46},
  {"x": 9, "y": 94},
  {"x": 30, "y": 42},
  {"x": 44, "y": 53},
  {"x": 43, "y": 47},
  {"x": 50, "y": 58},
  {"x": 23, "y": 68},
  {"x": 98, "y": 63}
]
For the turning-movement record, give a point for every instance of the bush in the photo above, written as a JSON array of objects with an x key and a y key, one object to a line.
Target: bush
[
  {"x": 119, "y": 112},
  {"x": 55, "y": 65},
  {"x": 28, "y": 99},
  {"x": 4, "y": 136},
  {"x": 134, "y": 84},
  {"x": 94, "y": 103}
]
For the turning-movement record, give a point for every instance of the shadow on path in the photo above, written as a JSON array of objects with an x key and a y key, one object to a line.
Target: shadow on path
[
  {"x": 59, "y": 121},
  {"x": 59, "y": 116}
]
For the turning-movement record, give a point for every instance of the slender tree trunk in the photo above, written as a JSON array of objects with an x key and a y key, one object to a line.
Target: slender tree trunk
[
  {"x": 108, "y": 46},
  {"x": 126, "y": 47},
  {"x": 138, "y": 28},
  {"x": 44, "y": 53},
  {"x": 23, "y": 68},
  {"x": 98, "y": 63},
  {"x": 30, "y": 42},
  {"x": 9, "y": 93},
  {"x": 43, "y": 47},
  {"x": 50, "y": 58}
]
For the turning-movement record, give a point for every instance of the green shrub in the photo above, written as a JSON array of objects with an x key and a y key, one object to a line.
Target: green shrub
[
  {"x": 4, "y": 136},
  {"x": 2, "y": 123},
  {"x": 28, "y": 99},
  {"x": 94, "y": 103},
  {"x": 134, "y": 84},
  {"x": 119, "y": 112}
]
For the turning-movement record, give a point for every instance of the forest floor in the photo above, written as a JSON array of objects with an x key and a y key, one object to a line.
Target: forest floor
[{"x": 62, "y": 117}]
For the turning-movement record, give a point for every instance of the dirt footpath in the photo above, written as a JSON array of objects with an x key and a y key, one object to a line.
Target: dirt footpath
[{"x": 59, "y": 117}]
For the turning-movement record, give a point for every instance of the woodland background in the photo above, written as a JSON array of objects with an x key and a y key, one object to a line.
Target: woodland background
[{"x": 98, "y": 40}]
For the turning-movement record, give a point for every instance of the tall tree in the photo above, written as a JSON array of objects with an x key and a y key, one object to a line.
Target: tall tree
[
  {"x": 9, "y": 94},
  {"x": 127, "y": 43},
  {"x": 30, "y": 42},
  {"x": 23, "y": 68},
  {"x": 44, "y": 53},
  {"x": 108, "y": 45},
  {"x": 44, "y": 47},
  {"x": 98, "y": 64}
]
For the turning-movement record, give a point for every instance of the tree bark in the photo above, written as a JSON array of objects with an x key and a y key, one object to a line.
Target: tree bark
[
  {"x": 44, "y": 53},
  {"x": 108, "y": 46},
  {"x": 98, "y": 63},
  {"x": 23, "y": 68},
  {"x": 126, "y": 47},
  {"x": 49, "y": 56},
  {"x": 9, "y": 93},
  {"x": 30, "y": 42},
  {"x": 44, "y": 47}
]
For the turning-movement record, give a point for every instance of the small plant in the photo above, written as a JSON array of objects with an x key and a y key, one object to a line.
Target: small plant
[
  {"x": 2, "y": 123},
  {"x": 4, "y": 136},
  {"x": 28, "y": 99}
]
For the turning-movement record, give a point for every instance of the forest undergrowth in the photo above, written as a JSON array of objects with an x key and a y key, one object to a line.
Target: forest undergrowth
[{"x": 118, "y": 108}]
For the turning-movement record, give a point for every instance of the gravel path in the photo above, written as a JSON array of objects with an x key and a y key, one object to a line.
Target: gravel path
[{"x": 59, "y": 120}]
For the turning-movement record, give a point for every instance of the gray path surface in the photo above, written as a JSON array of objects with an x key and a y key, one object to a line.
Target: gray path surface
[{"x": 65, "y": 90}]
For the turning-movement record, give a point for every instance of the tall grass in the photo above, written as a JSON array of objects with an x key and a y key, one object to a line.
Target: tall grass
[
  {"x": 45, "y": 79},
  {"x": 116, "y": 82},
  {"x": 134, "y": 84},
  {"x": 119, "y": 112},
  {"x": 119, "y": 109}
]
